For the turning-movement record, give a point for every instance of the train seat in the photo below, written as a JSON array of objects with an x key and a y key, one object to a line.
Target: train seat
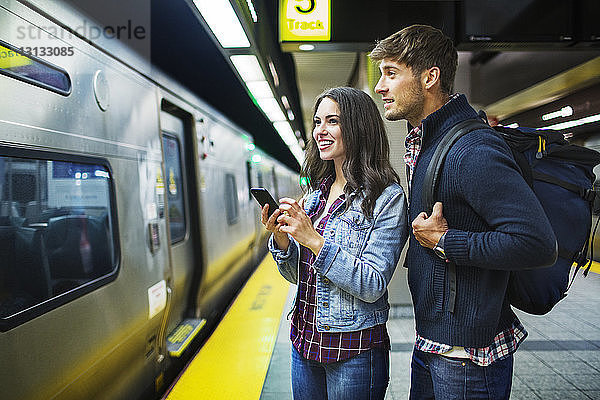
[
  {"x": 10, "y": 208},
  {"x": 33, "y": 209},
  {"x": 78, "y": 247},
  {"x": 31, "y": 263}
]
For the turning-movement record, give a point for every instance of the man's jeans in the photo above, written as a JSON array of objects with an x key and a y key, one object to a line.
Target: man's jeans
[
  {"x": 362, "y": 377},
  {"x": 444, "y": 378}
]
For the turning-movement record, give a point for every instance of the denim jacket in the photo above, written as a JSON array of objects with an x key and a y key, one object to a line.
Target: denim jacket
[{"x": 356, "y": 262}]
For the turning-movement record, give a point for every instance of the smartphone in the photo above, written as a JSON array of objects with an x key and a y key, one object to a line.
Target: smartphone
[{"x": 263, "y": 197}]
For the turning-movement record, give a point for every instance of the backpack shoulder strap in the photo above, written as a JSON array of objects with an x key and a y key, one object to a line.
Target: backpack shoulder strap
[{"x": 434, "y": 168}]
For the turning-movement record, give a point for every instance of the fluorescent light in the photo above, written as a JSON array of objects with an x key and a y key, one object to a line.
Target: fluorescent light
[
  {"x": 563, "y": 112},
  {"x": 298, "y": 153},
  {"x": 248, "y": 67},
  {"x": 577, "y": 122},
  {"x": 291, "y": 115},
  {"x": 259, "y": 89},
  {"x": 306, "y": 47},
  {"x": 287, "y": 134},
  {"x": 252, "y": 10},
  {"x": 271, "y": 108},
  {"x": 273, "y": 71},
  {"x": 223, "y": 22}
]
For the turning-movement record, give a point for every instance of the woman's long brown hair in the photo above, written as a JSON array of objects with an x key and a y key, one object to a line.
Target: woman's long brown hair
[{"x": 367, "y": 166}]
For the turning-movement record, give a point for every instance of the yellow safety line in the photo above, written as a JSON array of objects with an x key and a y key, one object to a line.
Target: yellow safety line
[
  {"x": 233, "y": 363},
  {"x": 595, "y": 268}
]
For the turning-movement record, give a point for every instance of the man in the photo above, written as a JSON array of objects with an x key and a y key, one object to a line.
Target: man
[{"x": 488, "y": 223}]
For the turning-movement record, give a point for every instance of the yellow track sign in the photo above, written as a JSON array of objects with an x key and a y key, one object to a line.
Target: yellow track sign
[{"x": 304, "y": 20}]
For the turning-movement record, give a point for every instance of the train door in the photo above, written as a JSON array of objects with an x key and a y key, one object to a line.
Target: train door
[{"x": 180, "y": 205}]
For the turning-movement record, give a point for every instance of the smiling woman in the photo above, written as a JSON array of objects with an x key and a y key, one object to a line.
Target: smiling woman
[{"x": 340, "y": 245}]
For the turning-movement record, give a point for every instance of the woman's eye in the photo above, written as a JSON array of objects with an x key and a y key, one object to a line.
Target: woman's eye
[{"x": 333, "y": 121}]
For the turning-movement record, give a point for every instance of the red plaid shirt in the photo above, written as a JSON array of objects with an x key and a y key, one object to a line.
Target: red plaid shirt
[{"x": 322, "y": 346}]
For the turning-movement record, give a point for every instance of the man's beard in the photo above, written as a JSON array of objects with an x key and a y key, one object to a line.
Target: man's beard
[{"x": 412, "y": 107}]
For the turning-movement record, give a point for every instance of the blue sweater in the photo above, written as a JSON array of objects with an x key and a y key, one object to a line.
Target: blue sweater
[{"x": 496, "y": 225}]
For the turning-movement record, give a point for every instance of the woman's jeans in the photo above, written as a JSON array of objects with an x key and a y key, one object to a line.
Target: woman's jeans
[
  {"x": 364, "y": 376},
  {"x": 437, "y": 377}
]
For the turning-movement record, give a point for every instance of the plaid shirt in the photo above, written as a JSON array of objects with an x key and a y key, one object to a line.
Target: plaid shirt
[
  {"x": 413, "y": 148},
  {"x": 322, "y": 346},
  {"x": 505, "y": 342}
]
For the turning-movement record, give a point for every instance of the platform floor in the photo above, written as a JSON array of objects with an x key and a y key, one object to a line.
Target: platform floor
[
  {"x": 248, "y": 354},
  {"x": 560, "y": 359}
]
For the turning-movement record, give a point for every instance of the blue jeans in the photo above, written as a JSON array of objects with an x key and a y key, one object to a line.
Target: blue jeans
[
  {"x": 364, "y": 376},
  {"x": 438, "y": 377}
]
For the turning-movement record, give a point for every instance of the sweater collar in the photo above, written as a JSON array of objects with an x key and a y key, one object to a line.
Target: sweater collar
[{"x": 439, "y": 122}]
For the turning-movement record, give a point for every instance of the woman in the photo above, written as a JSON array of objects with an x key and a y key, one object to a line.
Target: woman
[{"x": 341, "y": 249}]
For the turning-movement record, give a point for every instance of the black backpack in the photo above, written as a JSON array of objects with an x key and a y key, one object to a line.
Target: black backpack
[{"x": 561, "y": 177}]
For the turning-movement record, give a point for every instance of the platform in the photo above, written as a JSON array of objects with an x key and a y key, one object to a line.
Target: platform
[{"x": 559, "y": 360}]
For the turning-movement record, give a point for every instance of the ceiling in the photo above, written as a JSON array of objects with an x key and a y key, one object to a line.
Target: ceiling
[
  {"x": 317, "y": 72},
  {"x": 490, "y": 76}
]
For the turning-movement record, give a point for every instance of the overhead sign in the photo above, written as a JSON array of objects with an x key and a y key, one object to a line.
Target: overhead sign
[{"x": 304, "y": 20}]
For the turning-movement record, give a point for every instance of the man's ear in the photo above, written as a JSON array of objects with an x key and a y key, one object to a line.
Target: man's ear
[{"x": 431, "y": 77}]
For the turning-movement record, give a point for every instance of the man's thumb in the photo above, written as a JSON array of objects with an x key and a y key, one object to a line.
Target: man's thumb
[{"x": 437, "y": 209}]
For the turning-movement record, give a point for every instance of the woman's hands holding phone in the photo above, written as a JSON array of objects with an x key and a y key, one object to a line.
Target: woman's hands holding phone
[
  {"x": 292, "y": 219},
  {"x": 273, "y": 226}
]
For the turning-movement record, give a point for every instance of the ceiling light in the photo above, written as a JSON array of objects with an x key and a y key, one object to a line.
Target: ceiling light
[
  {"x": 563, "y": 112},
  {"x": 252, "y": 10},
  {"x": 271, "y": 108},
  {"x": 577, "y": 122},
  {"x": 259, "y": 89},
  {"x": 289, "y": 138},
  {"x": 273, "y": 72},
  {"x": 248, "y": 67},
  {"x": 287, "y": 134},
  {"x": 306, "y": 47},
  {"x": 223, "y": 22}
]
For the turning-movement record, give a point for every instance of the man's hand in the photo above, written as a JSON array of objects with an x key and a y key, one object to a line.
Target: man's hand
[{"x": 429, "y": 230}]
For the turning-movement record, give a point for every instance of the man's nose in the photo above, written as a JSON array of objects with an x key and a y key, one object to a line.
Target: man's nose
[{"x": 379, "y": 87}]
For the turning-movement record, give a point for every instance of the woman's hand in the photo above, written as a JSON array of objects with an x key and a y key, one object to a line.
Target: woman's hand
[
  {"x": 294, "y": 221},
  {"x": 281, "y": 239}
]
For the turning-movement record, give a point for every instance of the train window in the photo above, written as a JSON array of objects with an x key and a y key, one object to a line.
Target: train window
[
  {"x": 57, "y": 233},
  {"x": 25, "y": 67},
  {"x": 231, "y": 199},
  {"x": 174, "y": 182}
]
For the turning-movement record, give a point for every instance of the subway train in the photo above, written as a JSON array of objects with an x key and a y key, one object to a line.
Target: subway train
[{"x": 126, "y": 221}]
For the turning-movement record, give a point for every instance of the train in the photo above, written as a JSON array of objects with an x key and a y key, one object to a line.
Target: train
[{"x": 126, "y": 220}]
